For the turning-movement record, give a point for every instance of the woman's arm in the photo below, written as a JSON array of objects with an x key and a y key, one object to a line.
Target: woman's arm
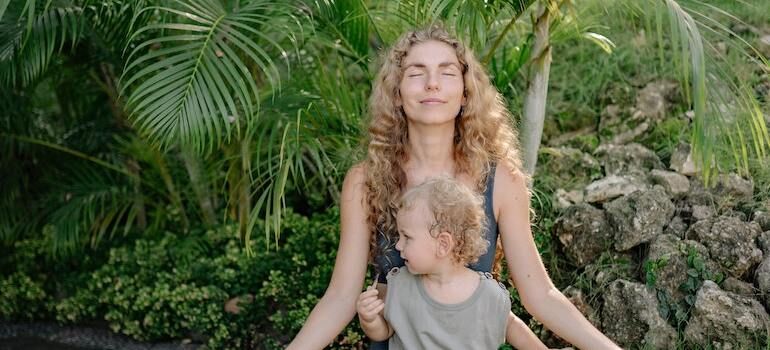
[
  {"x": 538, "y": 294},
  {"x": 338, "y": 305}
]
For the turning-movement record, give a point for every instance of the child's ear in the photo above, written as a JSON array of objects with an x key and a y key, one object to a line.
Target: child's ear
[{"x": 445, "y": 244}]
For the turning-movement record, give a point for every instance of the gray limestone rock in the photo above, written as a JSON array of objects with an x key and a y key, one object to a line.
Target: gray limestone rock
[
  {"x": 725, "y": 319},
  {"x": 682, "y": 161},
  {"x": 630, "y": 317},
  {"x": 639, "y": 217},
  {"x": 630, "y": 159},
  {"x": 676, "y": 185},
  {"x": 730, "y": 242},
  {"x": 584, "y": 232},
  {"x": 612, "y": 187}
]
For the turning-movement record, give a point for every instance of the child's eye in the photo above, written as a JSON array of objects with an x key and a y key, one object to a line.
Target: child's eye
[
  {"x": 415, "y": 75},
  {"x": 449, "y": 74}
]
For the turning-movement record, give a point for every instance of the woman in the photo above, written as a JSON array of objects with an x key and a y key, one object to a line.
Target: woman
[{"x": 434, "y": 112}]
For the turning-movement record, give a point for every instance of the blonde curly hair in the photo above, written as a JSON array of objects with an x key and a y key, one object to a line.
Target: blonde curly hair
[
  {"x": 484, "y": 133},
  {"x": 457, "y": 210}
]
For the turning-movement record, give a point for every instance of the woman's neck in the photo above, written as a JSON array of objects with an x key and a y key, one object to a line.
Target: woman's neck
[{"x": 431, "y": 148}]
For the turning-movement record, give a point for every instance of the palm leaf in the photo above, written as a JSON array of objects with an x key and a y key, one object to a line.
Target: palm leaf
[
  {"x": 726, "y": 113},
  {"x": 28, "y": 44},
  {"x": 89, "y": 205},
  {"x": 197, "y": 80}
]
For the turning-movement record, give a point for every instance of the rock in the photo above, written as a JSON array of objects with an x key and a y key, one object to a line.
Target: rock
[
  {"x": 630, "y": 317},
  {"x": 631, "y": 159},
  {"x": 724, "y": 319},
  {"x": 734, "y": 285},
  {"x": 699, "y": 194},
  {"x": 730, "y": 242},
  {"x": 763, "y": 241},
  {"x": 584, "y": 232},
  {"x": 612, "y": 187},
  {"x": 611, "y": 266},
  {"x": 682, "y": 161},
  {"x": 669, "y": 256},
  {"x": 639, "y": 217},
  {"x": 563, "y": 199},
  {"x": 734, "y": 186},
  {"x": 652, "y": 100},
  {"x": 763, "y": 45},
  {"x": 676, "y": 185},
  {"x": 762, "y": 277},
  {"x": 676, "y": 227},
  {"x": 762, "y": 218},
  {"x": 569, "y": 166},
  {"x": 703, "y": 212}
]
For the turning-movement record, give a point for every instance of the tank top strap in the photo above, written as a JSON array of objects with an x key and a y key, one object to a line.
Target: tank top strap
[{"x": 490, "y": 187}]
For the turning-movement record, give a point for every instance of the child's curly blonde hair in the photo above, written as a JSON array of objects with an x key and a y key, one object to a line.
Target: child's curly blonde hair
[{"x": 456, "y": 209}]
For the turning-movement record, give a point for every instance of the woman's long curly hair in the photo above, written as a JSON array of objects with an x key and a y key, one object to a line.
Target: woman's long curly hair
[{"x": 484, "y": 133}]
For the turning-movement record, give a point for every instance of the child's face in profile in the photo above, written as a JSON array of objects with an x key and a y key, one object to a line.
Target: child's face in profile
[{"x": 416, "y": 245}]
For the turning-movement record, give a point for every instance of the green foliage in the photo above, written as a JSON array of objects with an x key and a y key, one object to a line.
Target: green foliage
[
  {"x": 23, "y": 298},
  {"x": 173, "y": 286},
  {"x": 678, "y": 313},
  {"x": 651, "y": 267}
]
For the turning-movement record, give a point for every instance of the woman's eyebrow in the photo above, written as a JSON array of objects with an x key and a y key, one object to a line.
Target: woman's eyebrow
[{"x": 441, "y": 65}]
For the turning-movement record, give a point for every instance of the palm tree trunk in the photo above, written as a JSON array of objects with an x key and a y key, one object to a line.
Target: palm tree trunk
[
  {"x": 141, "y": 212},
  {"x": 244, "y": 187},
  {"x": 537, "y": 91},
  {"x": 176, "y": 198},
  {"x": 198, "y": 183}
]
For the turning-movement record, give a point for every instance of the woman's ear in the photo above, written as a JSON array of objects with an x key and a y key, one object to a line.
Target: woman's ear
[{"x": 444, "y": 245}]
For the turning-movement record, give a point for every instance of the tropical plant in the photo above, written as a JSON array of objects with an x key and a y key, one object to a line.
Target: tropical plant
[{"x": 197, "y": 112}]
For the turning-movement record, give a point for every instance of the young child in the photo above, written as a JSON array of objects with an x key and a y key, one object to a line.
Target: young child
[{"x": 436, "y": 302}]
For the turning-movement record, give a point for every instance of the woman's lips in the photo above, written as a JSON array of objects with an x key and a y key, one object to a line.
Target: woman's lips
[{"x": 432, "y": 101}]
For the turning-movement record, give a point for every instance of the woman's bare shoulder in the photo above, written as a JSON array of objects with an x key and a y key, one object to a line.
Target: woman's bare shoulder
[
  {"x": 354, "y": 185},
  {"x": 510, "y": 184}
]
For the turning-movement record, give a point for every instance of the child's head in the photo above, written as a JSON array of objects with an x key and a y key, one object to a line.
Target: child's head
[{"x": 440, "y": 219}]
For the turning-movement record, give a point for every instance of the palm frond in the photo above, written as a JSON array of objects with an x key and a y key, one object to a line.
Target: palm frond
[
  {"x": 203, "y": 75},
  {"x": 345, "y": 24},
  {"x": 308, "y": 142},
  {"x": 91, "y": 205},
  {"x": 727, "y": 116},
  {"x": 28, "y": 44}
]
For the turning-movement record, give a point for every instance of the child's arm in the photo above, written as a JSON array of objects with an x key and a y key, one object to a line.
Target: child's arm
[
  {"x": 369, "y": 308},
  {"x": 520, "y": 336}
]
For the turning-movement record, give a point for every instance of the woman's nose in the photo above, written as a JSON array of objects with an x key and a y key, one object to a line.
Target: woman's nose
[{"x": 432, "y": 82}]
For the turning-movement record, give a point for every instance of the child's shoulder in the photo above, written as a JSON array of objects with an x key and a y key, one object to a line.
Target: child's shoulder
[
  {"x": 494, "y": 286},
  {"x": 398, "y": 273}
]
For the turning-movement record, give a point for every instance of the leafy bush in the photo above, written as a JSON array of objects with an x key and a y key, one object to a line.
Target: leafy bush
[
  {"x": 173, "y": 286},
  {"x": 22, "y": 297}
]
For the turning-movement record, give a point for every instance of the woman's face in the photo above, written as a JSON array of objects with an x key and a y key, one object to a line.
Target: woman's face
[{"x": 432, "y": 85}]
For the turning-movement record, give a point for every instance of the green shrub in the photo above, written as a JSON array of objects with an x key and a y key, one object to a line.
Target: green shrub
[
  {"x": 169, "y": 286},
  {"x": 22, "y": 298}
]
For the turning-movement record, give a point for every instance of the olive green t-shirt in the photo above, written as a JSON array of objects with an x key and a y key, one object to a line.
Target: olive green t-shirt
[{"x": 419, "y": 322}]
